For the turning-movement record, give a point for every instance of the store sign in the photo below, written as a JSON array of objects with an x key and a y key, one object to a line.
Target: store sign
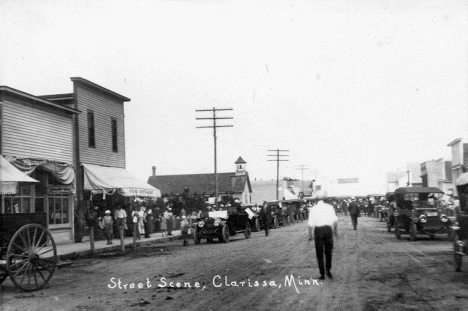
[
  {"x": 348, "y": 181},
  {"x": 58, "y": 189},
  {"x": 138, "y": 192}
]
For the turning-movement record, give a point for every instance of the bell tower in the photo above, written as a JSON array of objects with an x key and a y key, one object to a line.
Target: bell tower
[{"x": 240, "y": 166}]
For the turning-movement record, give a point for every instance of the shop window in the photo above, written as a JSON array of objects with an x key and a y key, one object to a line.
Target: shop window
[
  {"x": 114, "y": 135},
  {"x": 91, "y": 130},
  {"x": 20, "y": 203},
  {"x": 58, "y": 209}
]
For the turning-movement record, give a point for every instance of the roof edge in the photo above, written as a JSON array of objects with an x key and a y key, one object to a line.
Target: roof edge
[{"x": 100, "y": 88}]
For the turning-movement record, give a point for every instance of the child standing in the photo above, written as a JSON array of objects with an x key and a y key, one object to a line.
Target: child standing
[
  {"x": 163, "y": 224},
  {"x": 184, "y": 227},
  {"x": 108, "y": 224}
]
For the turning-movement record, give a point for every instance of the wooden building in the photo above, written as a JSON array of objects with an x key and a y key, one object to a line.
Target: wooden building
[
  {"x": 234, "y": 184},
  {"x": 37, "y": 138}
]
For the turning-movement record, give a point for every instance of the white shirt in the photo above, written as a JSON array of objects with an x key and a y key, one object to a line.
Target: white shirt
[{"x": 322, "y": 214}]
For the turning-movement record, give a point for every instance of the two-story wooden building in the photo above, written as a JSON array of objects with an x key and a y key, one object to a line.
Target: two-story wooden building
[
  {"x": 73, "y": 144},
  {"x": 37, "y": 138}
]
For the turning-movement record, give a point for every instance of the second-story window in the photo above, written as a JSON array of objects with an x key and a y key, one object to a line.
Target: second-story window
[
  {"x": 91, "y": 130},
  {"x": 114, "y": 135}
]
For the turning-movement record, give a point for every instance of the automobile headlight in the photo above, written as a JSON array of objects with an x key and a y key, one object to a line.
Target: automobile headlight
[
  {"x": 444, "y": 218},
  {"x": 423, "y": 218},
  {"x": 201, "y": 223},
  {"x": 216, "y": 222}
]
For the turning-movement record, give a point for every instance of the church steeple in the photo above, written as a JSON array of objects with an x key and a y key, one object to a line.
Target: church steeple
[{"x": 240, "y": 166}]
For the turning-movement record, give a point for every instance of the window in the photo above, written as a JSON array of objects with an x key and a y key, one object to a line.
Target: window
[
  {"x": 114, "y": 135},
  {"x": 91, "y": 131}
]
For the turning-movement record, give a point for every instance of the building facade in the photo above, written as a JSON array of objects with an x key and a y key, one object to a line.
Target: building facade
[{"x": 37, "y": 138}]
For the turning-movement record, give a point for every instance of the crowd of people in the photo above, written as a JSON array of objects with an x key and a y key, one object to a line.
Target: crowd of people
[{"x": 137, "y": 217}]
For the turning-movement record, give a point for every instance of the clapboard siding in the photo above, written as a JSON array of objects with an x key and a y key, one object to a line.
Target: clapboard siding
[
  {"x": 37, "y": 133},
  {"x": 104, "y": 108}
]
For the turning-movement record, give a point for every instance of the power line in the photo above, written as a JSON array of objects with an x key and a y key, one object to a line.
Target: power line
[
  {"x": 278, "y": 160},
  {"x": 214, "y": 117},
  {"x": 303, "y": 167}
]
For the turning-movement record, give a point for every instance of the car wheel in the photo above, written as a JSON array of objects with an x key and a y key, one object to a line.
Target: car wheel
[
  {"x": 413, "y": 231},
  {"x": 275, "y": 223},
  {"x": 225, "y": 234},
  {"x": 458, "y": 258},
  {"x": 257, "y": 225},
  {"x": 196, "y": 236},
  {"x": 247, "y": 231},
  {"x": 397, "y": 230}
]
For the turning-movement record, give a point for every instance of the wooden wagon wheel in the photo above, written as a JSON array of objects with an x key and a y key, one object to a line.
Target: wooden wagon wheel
[{"x": 31, "y": 257}]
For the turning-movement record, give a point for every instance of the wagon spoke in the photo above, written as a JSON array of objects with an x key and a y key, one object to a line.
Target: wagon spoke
[
  {"x": 39, "y": 240},
  {"x": 24, "y": 274},
  {"x": 17, "y": 272},
  {"x": 45, "y": 252},
  {"x": 29, "y": 237},
  {"x": 42, "y": 276},
  {"x": 34, "y": 237},
  {"x": 34, "y": 274},
  {"x": 20, "y": 248},
  {"x": 25, "y": 244},
  {"x": 43, "y": 264}
]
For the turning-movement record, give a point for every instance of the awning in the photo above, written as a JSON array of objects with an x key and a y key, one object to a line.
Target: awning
[
  {"x": 462, "y": 180},
  {"x": 103, "y": 178},
  {"x": 10, "y": 176}
]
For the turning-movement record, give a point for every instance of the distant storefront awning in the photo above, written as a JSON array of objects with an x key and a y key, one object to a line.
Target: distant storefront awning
[
  {"x": 10, "y": 176},
  {"x": 99, "y": 179},
  {"x": 462, "y": 180}
]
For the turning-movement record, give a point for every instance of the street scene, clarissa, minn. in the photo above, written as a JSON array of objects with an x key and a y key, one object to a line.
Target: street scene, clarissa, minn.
[{"x": 234, "y": 155}]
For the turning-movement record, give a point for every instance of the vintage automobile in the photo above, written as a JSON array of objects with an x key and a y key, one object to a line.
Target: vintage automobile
[
  {"x": 382, "y": 209},
  {"x": 391, "y": 205},
  {"x": 279, "y": 214},
  {"x": 362, "y": 202},
  {"x": 460, "y": 227},
  {"x": 418, "y": 212},
  {"x": 254, "y": 219},
  {"x": 222, "y": 225}
]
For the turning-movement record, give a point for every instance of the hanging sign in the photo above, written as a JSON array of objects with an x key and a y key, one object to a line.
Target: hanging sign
[{"x": 58, "y": 189}]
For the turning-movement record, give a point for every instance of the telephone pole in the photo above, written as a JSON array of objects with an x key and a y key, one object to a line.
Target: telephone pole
[
  {"x": 214, "y": 117},
  {"x": 303, "y": 167},
  {"x": 278, "y": 160}
]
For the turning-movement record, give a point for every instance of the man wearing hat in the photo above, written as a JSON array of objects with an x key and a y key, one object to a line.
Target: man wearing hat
[
  {"x": 108, "y": 224},
  {"x": 323, "y": 224},
  {"x": 354, "y": 211}
]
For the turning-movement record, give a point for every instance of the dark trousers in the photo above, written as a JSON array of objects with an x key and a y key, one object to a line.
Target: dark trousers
[
  {"x": 354, "y": 220},
  {"x": 324, "y": 243},
  {"x": 266, "y": 224}
]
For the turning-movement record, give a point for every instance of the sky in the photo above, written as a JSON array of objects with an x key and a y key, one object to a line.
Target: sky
[{"x": 353, "y": 89}]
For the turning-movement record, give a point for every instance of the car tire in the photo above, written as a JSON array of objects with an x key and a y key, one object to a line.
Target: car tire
[
  {"x": 458, "y": 258},
  {"x": 397, "y": 230},
  {"x": 248, "y": 231},
  {"x": 257, "y": 225},
  {"x": 413, "y": 231},
  {"x": 225, "y": 234},
  {"x": 196, "y": 236},
  {"x": 275, "y": 223}
]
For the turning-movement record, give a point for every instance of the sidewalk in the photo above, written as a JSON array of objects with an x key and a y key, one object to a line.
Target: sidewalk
[{"x": 73, "y": 250}]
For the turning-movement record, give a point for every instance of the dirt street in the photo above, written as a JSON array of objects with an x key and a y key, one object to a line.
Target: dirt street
[{"x": 372, "y": 271}]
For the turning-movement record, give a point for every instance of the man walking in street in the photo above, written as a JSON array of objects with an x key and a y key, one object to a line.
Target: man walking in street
[
  {"x": 354, "y": 211},
  {"x": 323, "y": 223},
  {"x": 344, "y": 207},
  {"x": 265, "y": 214}
]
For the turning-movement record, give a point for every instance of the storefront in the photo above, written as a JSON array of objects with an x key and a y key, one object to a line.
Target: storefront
[
  {"x": 50, "y": 190},
  {"x": 103, "y": 181}
]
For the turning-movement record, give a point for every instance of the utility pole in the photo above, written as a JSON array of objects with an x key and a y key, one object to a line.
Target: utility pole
[
  {"x": 214, "y": 117},
  {"x": 303, "y": 168},
  {"x": 278, "y": 160}
]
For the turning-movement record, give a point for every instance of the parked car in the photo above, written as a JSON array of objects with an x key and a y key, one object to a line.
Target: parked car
[
  {"x": 460, "y": 226},
  {"x": 222, "y": 225},
  {"x": 418, "y": 212},
  {"x": 382, "y": 209},
  {"x": 391, "y": 206},
  {"x": 255, "y": 222},
  {"x": 278, "y": 214}
]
